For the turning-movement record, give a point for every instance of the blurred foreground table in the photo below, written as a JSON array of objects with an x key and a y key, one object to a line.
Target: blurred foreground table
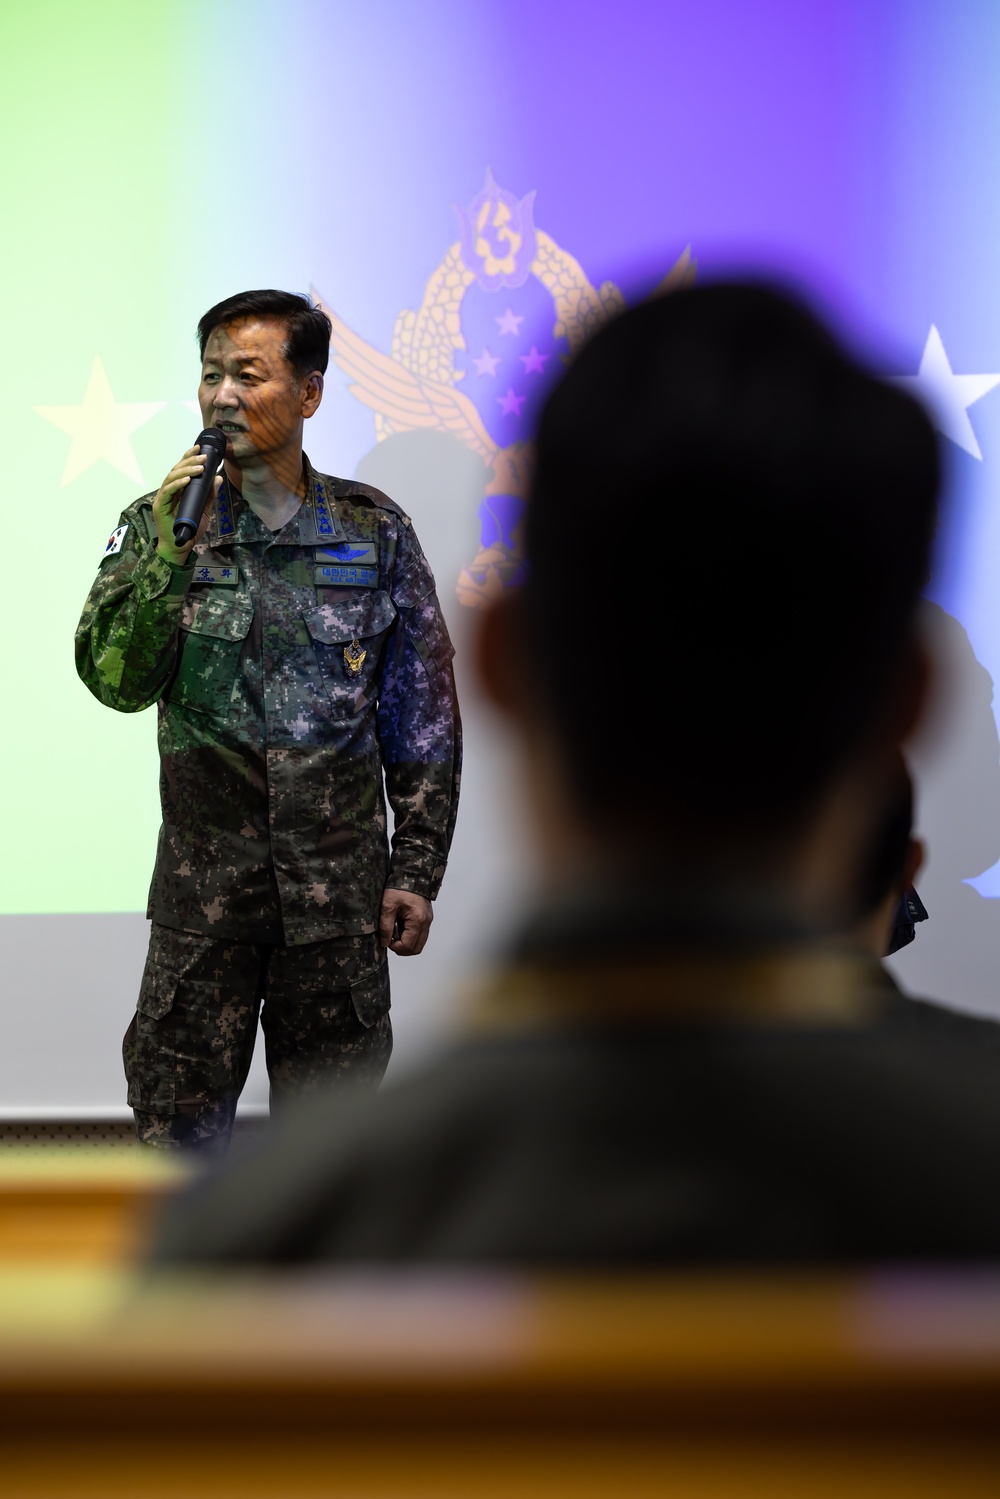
[
  {"x": 448, "y": 1385},
  {"x": 91, "y": 1205}
]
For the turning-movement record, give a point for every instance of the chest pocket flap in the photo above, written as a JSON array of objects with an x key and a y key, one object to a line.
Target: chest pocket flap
[
  {"x": 351, "y": 619},
  {"x": 333, "y": 627},
  {"x": 210, "y": 654},
  {"x": 223, "y": 615}
]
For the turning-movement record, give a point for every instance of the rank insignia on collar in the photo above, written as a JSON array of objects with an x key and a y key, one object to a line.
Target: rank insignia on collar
[
  {"x": 224, "y": 513},
  {"x": 324, "y": 524},
  {"x": 354, "y": 657}
]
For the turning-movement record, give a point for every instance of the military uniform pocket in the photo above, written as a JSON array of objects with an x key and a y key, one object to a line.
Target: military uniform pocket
[
  {"x": 426, "y": 628},
  {"x": 347, "y": 638},
  {"x": 370, "y": 995},
  {"x": 156, "y": 993},
  {"x": 210, "y": 653},
  {"x": 171, "y": 957}
]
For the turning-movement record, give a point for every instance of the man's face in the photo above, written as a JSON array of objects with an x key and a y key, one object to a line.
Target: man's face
[{"x": 250, "y": 391}]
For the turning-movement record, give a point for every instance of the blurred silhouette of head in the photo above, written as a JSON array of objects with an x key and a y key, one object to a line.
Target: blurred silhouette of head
[{"x": 729, "y": 530}]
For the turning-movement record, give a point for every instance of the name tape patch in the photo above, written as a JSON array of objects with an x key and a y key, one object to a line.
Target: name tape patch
[
  {"x": 225, "y": 577},
  {"x": 115, "y": 541},
  {"x": 333, "y": 576},
  {"x": 361, "y": 552}
]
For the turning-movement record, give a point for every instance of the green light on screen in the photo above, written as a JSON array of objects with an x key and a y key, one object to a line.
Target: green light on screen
[{"x": 94, "y": 380}]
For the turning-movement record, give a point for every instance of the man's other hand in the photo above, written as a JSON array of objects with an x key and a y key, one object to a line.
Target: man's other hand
[
  {"x": 405, "y": 921},
  {"x": 167, "y": 499}
]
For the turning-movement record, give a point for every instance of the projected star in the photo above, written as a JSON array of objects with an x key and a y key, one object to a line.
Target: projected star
[
  {"x": 534, "y": 363},
  {"x": 487, "y": 363},
  {"x": 510, "y": 404},
  {"x": 947, "y": 395},
  {"x": 100, "y": 427},
  {"x": 510, "y": 322}
]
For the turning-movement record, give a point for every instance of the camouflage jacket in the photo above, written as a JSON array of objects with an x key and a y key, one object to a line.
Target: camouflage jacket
[{"x": 292, "y": 671}]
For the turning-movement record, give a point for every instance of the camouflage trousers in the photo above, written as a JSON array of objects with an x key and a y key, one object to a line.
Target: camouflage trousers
[{"x": 323, "y": 1008}]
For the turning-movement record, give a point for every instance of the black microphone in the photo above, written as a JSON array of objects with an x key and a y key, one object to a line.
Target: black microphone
[{"x": 195, "y": 496}]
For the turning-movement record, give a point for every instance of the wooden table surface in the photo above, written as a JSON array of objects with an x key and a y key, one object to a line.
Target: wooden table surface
[
  {"x": 417, "y": 1385},
  {"x": 468, "y": 1385}
]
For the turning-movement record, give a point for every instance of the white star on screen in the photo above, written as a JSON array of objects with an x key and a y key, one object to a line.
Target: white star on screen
[
  {"x": 100, "y": 427},
  {"x": 946, "y": 395}
]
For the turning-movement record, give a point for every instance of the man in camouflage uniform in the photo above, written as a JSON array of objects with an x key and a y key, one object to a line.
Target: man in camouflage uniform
[{"x": 297, "y": 653}]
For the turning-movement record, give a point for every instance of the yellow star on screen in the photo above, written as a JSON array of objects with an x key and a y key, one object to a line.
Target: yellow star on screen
[{"x": 100, "y": 427}]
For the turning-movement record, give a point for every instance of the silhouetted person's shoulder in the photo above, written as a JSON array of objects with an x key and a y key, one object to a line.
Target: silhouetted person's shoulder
[
  {"x": 580, "y": 1140},
  {"x": 931, "y": 1018}
]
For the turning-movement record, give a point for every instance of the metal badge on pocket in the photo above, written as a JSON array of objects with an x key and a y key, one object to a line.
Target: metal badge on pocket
[{"x": 354, "y": 657}]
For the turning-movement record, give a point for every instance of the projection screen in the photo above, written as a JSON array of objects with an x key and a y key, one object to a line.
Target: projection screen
[{"x": 469, "y": 189}]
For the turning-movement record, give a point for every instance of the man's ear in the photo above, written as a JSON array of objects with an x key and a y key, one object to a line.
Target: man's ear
[
  {"x": 312, "y": 393},
  {"x": 497, "y": 654}
]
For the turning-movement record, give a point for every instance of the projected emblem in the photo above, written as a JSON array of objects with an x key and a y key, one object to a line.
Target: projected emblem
[{"x": 499, "y": 315}]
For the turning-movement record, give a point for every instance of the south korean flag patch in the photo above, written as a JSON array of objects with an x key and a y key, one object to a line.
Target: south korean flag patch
[{"x": 115, "y": 541}]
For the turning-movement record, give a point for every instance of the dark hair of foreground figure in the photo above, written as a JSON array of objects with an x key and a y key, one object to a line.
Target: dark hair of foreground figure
[{"x": 730, "y": 528}]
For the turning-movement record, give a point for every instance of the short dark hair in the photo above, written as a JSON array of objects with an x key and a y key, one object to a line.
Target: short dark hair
[
  {"x": 729, "y": 529},
  {"x": 307, "y": 342}
]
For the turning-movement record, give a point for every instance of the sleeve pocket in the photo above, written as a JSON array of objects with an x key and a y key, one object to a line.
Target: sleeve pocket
[{"x": 429, "y": 633}]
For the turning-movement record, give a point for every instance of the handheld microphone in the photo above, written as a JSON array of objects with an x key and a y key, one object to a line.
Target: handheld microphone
[{"x": 195, "y": 496}]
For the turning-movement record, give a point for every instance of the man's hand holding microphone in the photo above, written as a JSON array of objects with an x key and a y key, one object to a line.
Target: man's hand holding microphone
[{"x": 183, "y": 503}]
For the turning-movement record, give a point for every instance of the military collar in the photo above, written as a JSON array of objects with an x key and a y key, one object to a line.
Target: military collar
[
  {"x": 318, "y": 521},
  {"x": 232, "y": 519},
  {"x": 315, "y": 523},
  {"x": 823, "y": 986},
  {"x": 660, "y": 954},
  {"x": 594, "y": 920}
]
